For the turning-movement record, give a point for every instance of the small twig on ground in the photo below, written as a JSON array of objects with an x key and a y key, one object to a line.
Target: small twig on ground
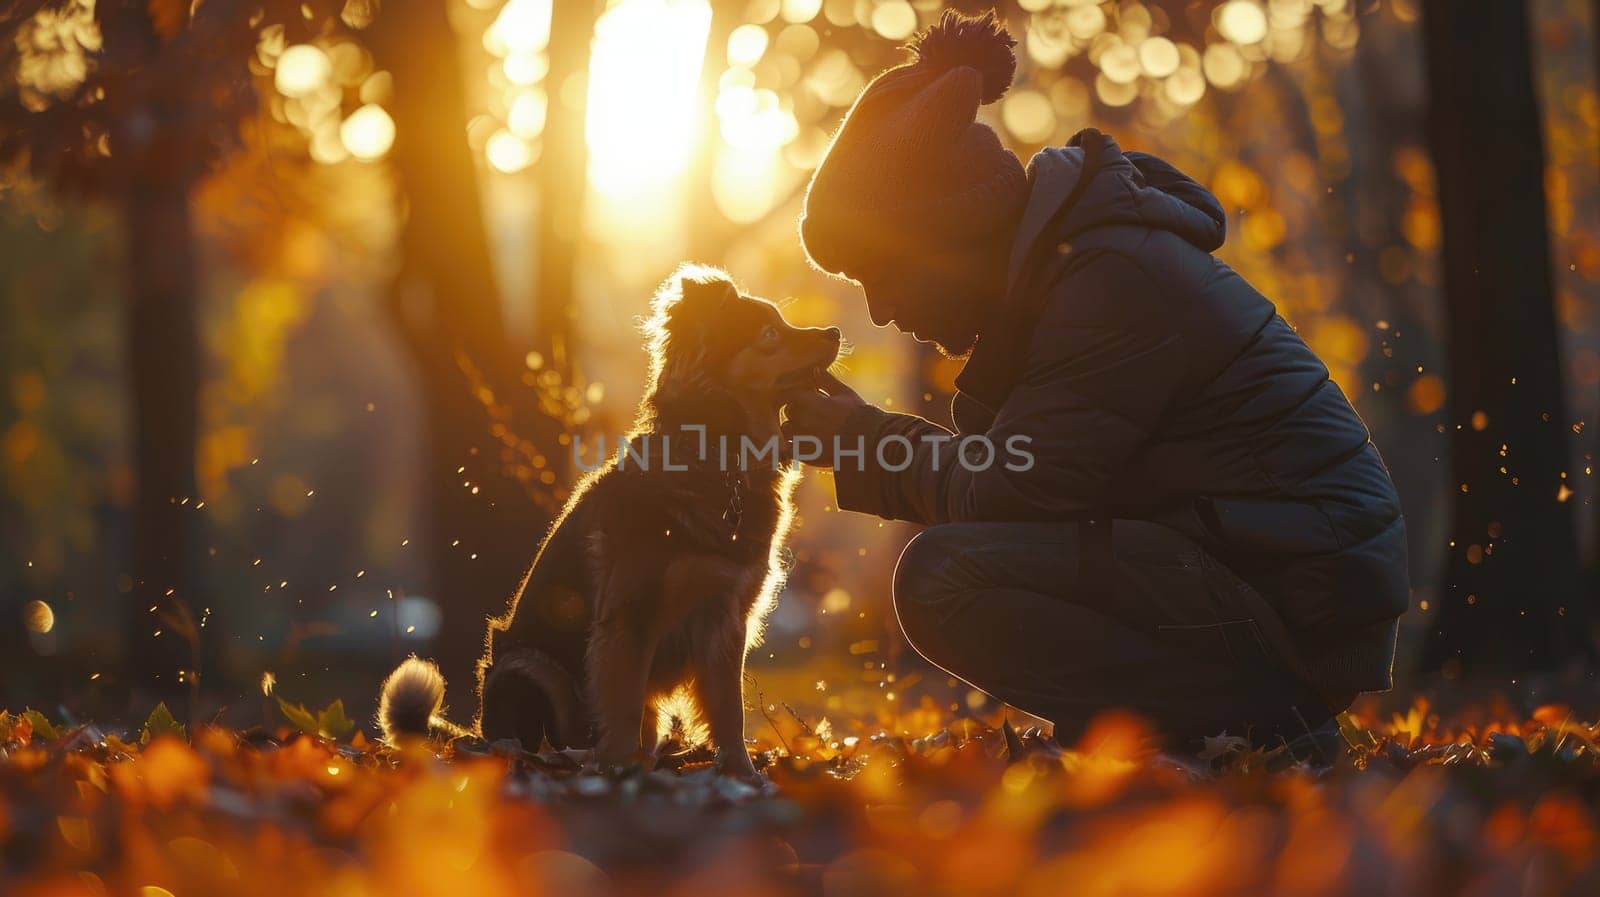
[
  {"x": 761, "y": 704},
  {"x": 804, "y": 726}
]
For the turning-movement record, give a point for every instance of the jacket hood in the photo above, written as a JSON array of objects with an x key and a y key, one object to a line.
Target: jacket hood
[{"x": 1126, "y": 189}]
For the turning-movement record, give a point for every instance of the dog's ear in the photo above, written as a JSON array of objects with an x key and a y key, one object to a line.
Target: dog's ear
[
  {"x": 704, "y": 295},
  {"x": 691, "y": 291},
  {"x": 694, "y": 304},
  {"x": 697, "y": 311}
]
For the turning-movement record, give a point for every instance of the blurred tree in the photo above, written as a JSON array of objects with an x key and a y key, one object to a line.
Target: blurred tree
[
  {"x": 491, "y": 489},
  {"x": 711, "y": 232},
  {"x": 130, "y": 102},
  {"x": 1592, "y": 585},
  {"x": 1510, "y": 599},
  {"x": 562, "y": 175},
  {"x": 62, "y": 362}
]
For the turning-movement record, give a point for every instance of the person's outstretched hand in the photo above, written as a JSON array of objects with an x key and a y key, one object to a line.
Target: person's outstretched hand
[{"x": 820, "y": 411}]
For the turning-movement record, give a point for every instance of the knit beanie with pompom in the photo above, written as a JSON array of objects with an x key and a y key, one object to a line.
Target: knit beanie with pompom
[{"x": 911, "y": 170}]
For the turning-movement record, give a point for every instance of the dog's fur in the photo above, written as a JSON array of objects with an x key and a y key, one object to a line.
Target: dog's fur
[{"x": 653, "y": 578}]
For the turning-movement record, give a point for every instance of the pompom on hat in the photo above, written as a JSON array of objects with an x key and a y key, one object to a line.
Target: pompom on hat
[
  {"x": 911, "y": 169},
  {"x": 978, "y": 42}
]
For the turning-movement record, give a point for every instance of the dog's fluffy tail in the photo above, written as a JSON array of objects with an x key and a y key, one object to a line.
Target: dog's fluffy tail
[{"x": 412, "y": 701}]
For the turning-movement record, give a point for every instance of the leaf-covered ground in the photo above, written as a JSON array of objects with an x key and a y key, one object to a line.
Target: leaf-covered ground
[{"x": 1420, "y": 806}]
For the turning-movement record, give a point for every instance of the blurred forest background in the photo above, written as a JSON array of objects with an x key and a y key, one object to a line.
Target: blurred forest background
[{"x": 302, "y": 304}]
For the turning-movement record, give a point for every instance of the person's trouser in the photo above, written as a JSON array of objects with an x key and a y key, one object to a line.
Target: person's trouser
[{"x": 1066, "y": 620}]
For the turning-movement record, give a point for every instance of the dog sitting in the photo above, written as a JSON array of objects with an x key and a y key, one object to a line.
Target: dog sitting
[{"x": 664, "y": 564}]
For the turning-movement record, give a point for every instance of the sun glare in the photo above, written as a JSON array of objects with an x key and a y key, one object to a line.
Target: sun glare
[{"x": 643, "y": 109}]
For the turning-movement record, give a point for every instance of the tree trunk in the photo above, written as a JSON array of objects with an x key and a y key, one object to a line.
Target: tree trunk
[
  {"x": 563, "y": 174},
  {"x": 485, "y": 523},
  {"x": 1510, "y": 600},
  {"x": 1592, "y": 572},
  {"x": 164, "y": 361},
  {"x": 709, "y": 232}
]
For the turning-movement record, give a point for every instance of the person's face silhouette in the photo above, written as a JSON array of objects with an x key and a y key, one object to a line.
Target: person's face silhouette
[{"x": 941, "y": 298}]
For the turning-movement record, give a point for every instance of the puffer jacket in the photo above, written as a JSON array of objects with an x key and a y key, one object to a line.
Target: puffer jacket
[{"x": 1148, "y": 380}]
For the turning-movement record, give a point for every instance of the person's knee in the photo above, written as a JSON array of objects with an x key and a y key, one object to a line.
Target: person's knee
[
  {"x": 917, "y": 575},
  {"x": 922, "y": 581}
]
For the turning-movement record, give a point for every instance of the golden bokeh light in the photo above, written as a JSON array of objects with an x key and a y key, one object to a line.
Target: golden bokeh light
[
  {"x": 1224, "y": 66},
  {"x": 800, "y": 10},
  {"x": 367, "y": 133},
  {"x": 521, "y": 28},
  {"x": 53, "y": 48},
  {"x": 1085, "y": 21},
  {"x": 1112, "y": 93},
  {"x": 1186, "y": 87},
  {"x": 755, "y": 119},
  {"x": 746, "y": 45},
  {"x": 1120, "y": 64},
  {"x": 525, "y": 68},
  {"x": 1158, "y": 57},
  {"x": 38, "y": 617},
  {"x": 894, "y": 20},
  {"x": 835, "y": 79},
  {"x": 1242, "y": 21},
  {"x": 1028, "y": 115},
  {"x": 1134, "y": 22},
  {"x": 508, "y": 153},
  {"x": 302, "y": 70},
  {"x": 744, "y": 184},
  {"x": 1048, "y": 47},
  {"x": 527, "y": 114},
  {"x": 1426, "y": 395},
  {"x": 799, "y": 41},
  {"x": 377, "y": 87}
]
